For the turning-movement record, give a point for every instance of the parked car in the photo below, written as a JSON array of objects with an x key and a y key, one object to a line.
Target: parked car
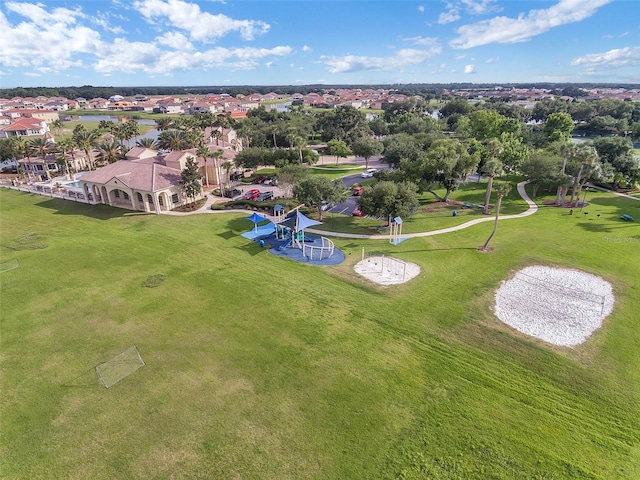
[
  {"x": 357, "y": 213},
  {"x": 324, "y": 206},
  {"x": 264, "y": 196},
  {"x": 368, "y": 173},
  {"x": 252, "y": 194},
  {"x": 232, "y": 193},
  {"x": 235, "y": 177},
  {"x": 357, "y": 191},
  {"x": 261, "y": 179}
]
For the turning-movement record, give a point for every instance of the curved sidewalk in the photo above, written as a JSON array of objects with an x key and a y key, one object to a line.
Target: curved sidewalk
[{"x": 533, "y": 208}]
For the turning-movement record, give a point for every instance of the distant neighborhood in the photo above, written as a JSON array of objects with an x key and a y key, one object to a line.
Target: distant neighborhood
[
  {"x": 147, "y": 177},
  {"x": 28, "y": 115}
]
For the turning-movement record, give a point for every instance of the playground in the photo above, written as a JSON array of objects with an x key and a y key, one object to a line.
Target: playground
[{"x": 284, "y": 234}]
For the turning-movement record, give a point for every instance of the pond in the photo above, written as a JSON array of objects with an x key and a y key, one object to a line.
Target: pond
[{"x": 153, "y": 134}]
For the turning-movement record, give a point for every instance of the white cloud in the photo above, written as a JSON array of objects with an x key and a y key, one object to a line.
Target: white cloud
[
  {"x": 481, "y": 7},
  {"x": 469, "y": 69},
  {"x": 419, "y": 40},
  {"x": 616, "y": 58},
  {"x": 492, "y": 60},
  {"x": 202, "y": 26},
  {"x": 103, "y": 20},
  {"x": 50, "y": 41},
  {"x": 513, "y": 30},
  {"x": 175, "y": 40},
  {"x": 148, "y": 58},
  {"x": 401, "y": 59},
  {"x": 421, "y": 8},
  {"x": 451, "y": 15},
  {"x": 47, "y": 40},
  {"x": 306, "y": 48}
]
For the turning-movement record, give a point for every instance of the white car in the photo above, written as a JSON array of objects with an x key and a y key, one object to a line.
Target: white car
[{"x": 368, "y": 173}]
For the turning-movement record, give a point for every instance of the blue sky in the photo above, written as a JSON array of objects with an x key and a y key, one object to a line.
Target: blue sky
[{"x": 209, "y": 42}]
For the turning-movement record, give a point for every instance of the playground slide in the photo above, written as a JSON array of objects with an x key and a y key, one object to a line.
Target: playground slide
[{"x": 285, "y": 244}]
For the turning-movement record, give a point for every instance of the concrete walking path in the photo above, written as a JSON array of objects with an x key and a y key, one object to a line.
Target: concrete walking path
[{"x": 533, "y": 208}]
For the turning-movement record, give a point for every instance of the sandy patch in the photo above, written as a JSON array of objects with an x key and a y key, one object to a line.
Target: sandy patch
[
  {"x": 560, "y": 306},
  {"x": 386, "y": 270}
]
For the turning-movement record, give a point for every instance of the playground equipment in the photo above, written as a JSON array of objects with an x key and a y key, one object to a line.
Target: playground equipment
[
  {"x": 384, "y": 267},
  {"x": 395, "y": 230}
]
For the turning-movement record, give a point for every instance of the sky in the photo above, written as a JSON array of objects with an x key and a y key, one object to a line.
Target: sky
[{"x": 55, "y": 43}]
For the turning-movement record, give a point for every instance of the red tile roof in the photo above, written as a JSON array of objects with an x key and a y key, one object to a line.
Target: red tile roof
[{"x": 149, "y": 177}]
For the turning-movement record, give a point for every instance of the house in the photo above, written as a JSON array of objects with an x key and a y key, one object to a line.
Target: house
[
  {"x": 168, "y": 108},
  {"x": 144, "y": 184},
  {"x": 98, "y": 103},
  {"x": 24, "y": 127}
]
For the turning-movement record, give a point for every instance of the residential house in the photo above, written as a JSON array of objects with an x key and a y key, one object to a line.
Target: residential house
[
  {"x": 24, "y": 127},
  {"x": 148, "y": 184}
]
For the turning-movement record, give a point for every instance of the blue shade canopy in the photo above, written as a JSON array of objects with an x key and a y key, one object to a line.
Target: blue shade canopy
[
  {"x": 256, "y": 218},
  {"x": 298, "y": 222}
]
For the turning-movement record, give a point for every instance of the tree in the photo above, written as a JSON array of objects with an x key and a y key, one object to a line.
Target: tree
[
  {"x": 173, "y": 140},
  {"x": 252, "y": 158},
  {"x": 492, "y": 167},
  {"x": 589, "y": 167},
  {"x": 204, "y": 153},
  {"x": 217, "y": 156},
  {"x": 389, "y": 199},
  {"x": 164, "y": 123},
  {"x": 109, "y": 151},
  {"x": 344, "y": 123},
  {"x": 338, "y": 148},
  {"x": 147, "y": 143},
  {"x": 367, "y": 147},
  {"x": 58, "y": 126},
  {"x": 502, "y": 190},
  {"x": 313, "y": 191},
  {"x": 558, "y": 127},
  {"x": 540, "y": 167},
  {"x": 447, "y": 161},
  {"x": 291, "y": 175},
  {"x": 40, "y": 147},
  {"x": 191, "y": 180},
  {"x": 85, "y": 141},
  {"x": 66, "y": 146}
]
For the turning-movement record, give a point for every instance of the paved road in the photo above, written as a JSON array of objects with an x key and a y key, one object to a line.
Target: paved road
[{"x": 351, "y": 204}]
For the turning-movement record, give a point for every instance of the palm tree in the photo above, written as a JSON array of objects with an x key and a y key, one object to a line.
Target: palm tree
[
  {"x": 86, "y": 141},
  {"x": 588, "y": 156},
  {"x": 492, "y": 168},
  {"x": 216, "y": 156},
  {"x": 502, "y": 190},
  {"x": 40, "y": 147},
  {"x": 205, "y": 154},
  {"x": 58, "y": 127},
  {"x": 109, "y": 151},
  {"x": 65, "y": 146},
  {"x": 147, "y": 143},
  {"x": 227, "y": 169},
  {"x": 20, "y": 149},
  {"x": 164, "y": 123},
  {"x": 172, "y": 139}
]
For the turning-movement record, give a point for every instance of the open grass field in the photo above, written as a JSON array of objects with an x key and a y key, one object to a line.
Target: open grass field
[{"x": 257, "y": 367}]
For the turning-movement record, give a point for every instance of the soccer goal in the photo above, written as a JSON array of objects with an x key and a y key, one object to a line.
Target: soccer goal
[{"x": 119, "y": 367}]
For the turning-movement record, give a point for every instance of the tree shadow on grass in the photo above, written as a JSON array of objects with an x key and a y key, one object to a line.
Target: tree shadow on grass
[{"x": 99, "y": 211}]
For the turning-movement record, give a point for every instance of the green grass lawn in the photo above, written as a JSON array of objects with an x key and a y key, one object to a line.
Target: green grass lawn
[
  {"x": 431, "y": 215},
  {"x": 259, "y": 367}
]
